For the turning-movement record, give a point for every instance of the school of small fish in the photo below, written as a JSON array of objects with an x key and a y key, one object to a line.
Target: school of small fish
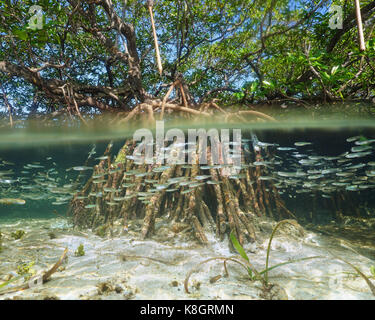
[
  {"x": 298, "y": 169},
  {"x": 292, "y": 169}
]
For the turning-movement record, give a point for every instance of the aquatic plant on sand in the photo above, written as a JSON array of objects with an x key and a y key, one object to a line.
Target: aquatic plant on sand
[
  {"x": 269, "y": 290},
  {"x": 252, "y": 272},
  {"x": 24, "y": 272},
  {"x": 363, "y": 276}
]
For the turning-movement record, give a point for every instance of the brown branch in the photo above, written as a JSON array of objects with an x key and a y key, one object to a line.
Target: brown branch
[
  {"x": 76, "y": 105},
  {"x": 258, "y": 114},
  {"x": 9, "y": 106},
  {"x": 361, "y": 69},
  {"x": 183, "y": 95},
  {"x": 165, "y": 99},
  {"x": 54, "y": 88},
  {"x": 214, "y": 105},
  {"x": 188, "y": 110},
  {"x": 126, "y": 29},
  {"x": 48, "y": 65},
  {"x": 317, "y": 74},
  {"x": 221, "y": 89},
  {"x": 298, "y": 23}
]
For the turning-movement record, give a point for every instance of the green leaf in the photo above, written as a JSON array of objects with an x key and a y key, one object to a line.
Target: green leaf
[
  {"x": 238, "y": 247},
  {"x": 372, "y": 270},
  {"x": 326, "y": 75},
  {"x": 288, "y": 262},
  {"x": 242, "y": 252},
  {"x": 341, "y": 96},
  {"x": 239, "y": 95},
  {"x": 267, "y": 83},
  {"x": 254, "y": 86},
  {"x": 371, "y": 44},
  {"x": 21, "y": 34},
  {"x": 4, "y": 284}
]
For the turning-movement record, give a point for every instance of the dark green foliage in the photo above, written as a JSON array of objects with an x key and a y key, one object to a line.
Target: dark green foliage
[{"x": 241, "y": 52}]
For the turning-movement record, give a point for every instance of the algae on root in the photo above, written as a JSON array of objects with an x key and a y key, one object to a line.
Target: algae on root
[
  {"x": 52, "y": 235},
  {"x": 101, "y": 231},
  {"x": 26, "y": 270},
  {"x": 18, "y": 234}
]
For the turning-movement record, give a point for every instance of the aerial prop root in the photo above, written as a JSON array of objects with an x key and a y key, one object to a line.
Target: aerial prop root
[
  {"x": 148, "y": 108},
  {"x": 224, "y": 205}
]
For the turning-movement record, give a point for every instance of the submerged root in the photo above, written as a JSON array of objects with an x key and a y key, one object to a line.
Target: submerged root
[
  {"x": 364, "y": 277},
  {"x": 209, "y": 198},
  {"x": 45, "y": 277},
  {"x": 244, "y": 264}
]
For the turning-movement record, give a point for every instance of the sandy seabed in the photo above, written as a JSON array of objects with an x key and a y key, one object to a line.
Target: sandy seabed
[{"x": 122, "y": 266}]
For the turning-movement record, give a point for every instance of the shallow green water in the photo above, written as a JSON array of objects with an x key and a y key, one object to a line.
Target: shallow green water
[{"x": 41, "y": 166}]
